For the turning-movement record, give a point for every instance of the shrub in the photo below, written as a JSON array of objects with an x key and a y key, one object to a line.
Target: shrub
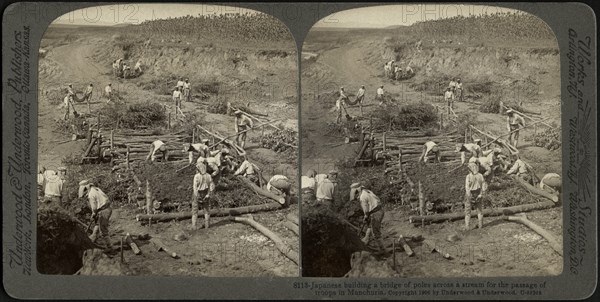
[
  {"x": 405, "y": 117},
  {"x": 549, "y": 139},
  {"x": 134, "y": 116}
]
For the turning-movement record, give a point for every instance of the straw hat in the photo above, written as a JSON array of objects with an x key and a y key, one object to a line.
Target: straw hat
[
  {"x": 354, "y": 188},
  {"x": 84, "y": 186}
]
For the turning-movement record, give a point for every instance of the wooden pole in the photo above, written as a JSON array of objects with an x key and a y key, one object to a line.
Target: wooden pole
[
  {"x": 194, "y": 135},
  {"x": 169, "y": 121},
  {"x": 112, "y": 139},
  {"x": 400, "y": 162},
  {"x": 501, "y": 107},
  {"x": 438, "y": 218},
  {"x": 441, "y": 120},
  {"x": 538, "y": 229},
  {"x": 279, "y": 244},
  {"x": 148, "y": 198},
  {"x": 384, "y": 142},
  {"x": 127, "y": 159},
  {"x": 421, "y": 200},
  {"x": 145, "y": 218}
]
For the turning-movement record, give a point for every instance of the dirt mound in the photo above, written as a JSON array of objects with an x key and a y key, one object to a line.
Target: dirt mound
[
  {"x": 96, "y": 262},
  {"x": 61, "y": 243},
  {"x": 366, "y": 265},
  {"x": 327, "y": 243},
  {"x": 170, "y": 186}
]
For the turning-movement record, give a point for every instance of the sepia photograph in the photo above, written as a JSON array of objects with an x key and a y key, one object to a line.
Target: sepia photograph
[
  {"x": 431, "y": 144},
  {"x": 168, "y": 143}
]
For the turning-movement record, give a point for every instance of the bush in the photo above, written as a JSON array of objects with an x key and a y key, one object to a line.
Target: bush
[
  {"x": 405, "y": 117},
  {"x": 549, "y": 139},
  {"x": 135, "y": 116},
  {"x": 278, "y": 141}
]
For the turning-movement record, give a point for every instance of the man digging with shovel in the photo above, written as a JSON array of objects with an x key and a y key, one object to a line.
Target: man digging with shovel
[
  {"x": 100, "y": 206},
  {"x": 373, "y": 210}
]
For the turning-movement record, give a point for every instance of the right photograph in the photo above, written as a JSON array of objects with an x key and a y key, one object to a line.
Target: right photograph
[{"x": 431, "y": 144}]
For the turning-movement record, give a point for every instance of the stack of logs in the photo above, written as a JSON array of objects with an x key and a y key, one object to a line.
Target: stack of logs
[
  {"x": 400, "y": 147},
  {"x": 128, "y": 148}
]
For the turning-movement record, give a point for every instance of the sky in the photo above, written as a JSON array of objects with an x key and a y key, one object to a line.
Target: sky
[
  {"x": 402, "y": 14},
  {"x": 136, "y": 13}
]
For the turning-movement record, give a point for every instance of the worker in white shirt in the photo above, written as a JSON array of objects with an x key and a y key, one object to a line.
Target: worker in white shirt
[
  {"x": 186, "y": 90},
  {"x": 452, "y": 85},
  {"x": 340, "y": 105},
  {"x": 108, "y": 92},
  {"x": 100, "y": 206},
  {"x": 521, "y": 170},
  {"x": 473, "y": 149},
  {"x": 177, "y": 97},
  {"x": 68, "y": 104},
  {"x": 430, "y": 147},
  {"x": 308, "y": 186},
  {"x": 319, "y": 179},
  {"x": 180, "y": 84},
  {"x": 88, "y": 92},
  {"x": 156, "y": 147},
  {"x": 551, "y": 182},
  {"x": 53, "y": 183},
  {"x": 514, "y": 122},
  {"x": 373, "y": 212},
  {"x": 200, "y": 149},
  {"x": 475, "y": 188},
  {"x": 327, "y": 188},
  {"x": 250, "y": 171},
  {"x": 281, "y": 185},
  {"x": 360, "y": 95},
  {"x": 449, "y": 98},
  {"x": 203, "y": 187},
  {"x": 242, "y": 124},
  {"x": 138, "y": 67},
  {"x": 459, "y": 90},
  {"x": 379, "y": 95}
]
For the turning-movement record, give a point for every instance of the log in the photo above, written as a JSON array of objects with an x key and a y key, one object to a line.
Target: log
[
  {"x": 281, "y": 246},
  {"x": 556, "y": 246},
  {"x": 136, "y": 250},
  {"x": 437, "y": 218},
  {"x": 349, "y": 139},
  {"x": 145, "y": 218},
  {"x": 435, "y": 248},
  {"x": 292, "y": 227},
  {"x": 362, "y": 151},
  {"x": 260, "y": 191},
  {"x": 234, "y": 135},
  {"x": 509, "y": 133},
  {"x": 233, "y": 145},
  {"x": 89, "y": 148},
  {"x": 498, "y": 140},
  {"x": 536, "y": 190}
]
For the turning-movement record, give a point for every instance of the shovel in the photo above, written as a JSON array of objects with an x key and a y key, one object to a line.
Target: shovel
[{"x": 161, "y": 247}]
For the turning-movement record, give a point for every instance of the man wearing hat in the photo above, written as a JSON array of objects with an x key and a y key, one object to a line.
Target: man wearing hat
[
  {"x": 340, "y": 105},
  {"x": 281, "y": 185},
  {"x": 203, "y": 187},
  {"x": 449, "y": 97},
  {"x": 551, "y": 182},
  {"x": 326, "y": 189},
  {"x": 242, "y": 123},
  {"x": 156, "y": 147},
  {"x": 201, "y": 149},
  {"x": 53, "y": 186},
  {"x": 108, "y": 92},
  {"x": 459, "y": 90},
  {"x": 521, "y": 170},
  {"x": 475, "y": 187},
  {"x": 373, "y": 212},
  {"x": 100, "y": 206},
  {"x": 379, "y": 95},
  {"x": 474, "y": 149},
  {"x": 514, "y": 123},
  {"x": 250, "y": 171},
  {"x": 430, "y": 147},
  {"x": 308, "y": 186},
  {"x": 186, "y": 90}
]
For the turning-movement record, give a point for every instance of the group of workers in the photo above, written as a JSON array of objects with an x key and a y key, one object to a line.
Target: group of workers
[
  {"x": 343, "y": 100},
  {"x": 210, "y": 166},
  {"x": 51, "y": 185},
  {"x": 182, "y": 92},
  {"x": 454, "y": 91},
  {"x": 393, "y": 71},
  {"x": 123, "y": 70}
]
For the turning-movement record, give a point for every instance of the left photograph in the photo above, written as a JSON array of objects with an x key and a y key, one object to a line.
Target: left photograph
[{"x": 168, "y": 143}]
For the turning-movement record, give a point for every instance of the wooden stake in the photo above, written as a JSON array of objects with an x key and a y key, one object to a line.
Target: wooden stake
[
  {"x": 122, "y": 259},
  {"x": 148, "y": 198},
  {"x": 501, "y": 107},
  {"x": 194, "y": 135},
  {"x": 127, "y": 159},
  {"x": 441, "y": 120},
  {"x": 112, "y": 139},
  {"x": 421, "y": 200},
  {"x": 400, "y": 162},
  {"x": 384, "y": 142},
  {"x": 169, "y": 122}
]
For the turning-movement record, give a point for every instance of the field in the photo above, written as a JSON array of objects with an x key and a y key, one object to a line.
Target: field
[
  {"x": 519, "y": 68},
  {"x": 229, "y": 65}
]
